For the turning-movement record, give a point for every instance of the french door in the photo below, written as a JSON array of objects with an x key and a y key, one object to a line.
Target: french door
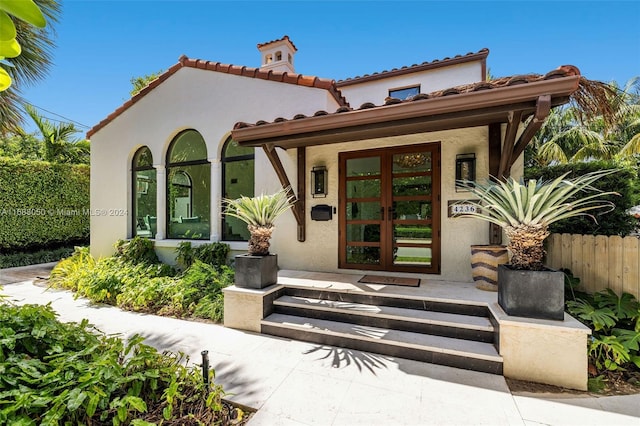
[{"x": 389, "y": 205}]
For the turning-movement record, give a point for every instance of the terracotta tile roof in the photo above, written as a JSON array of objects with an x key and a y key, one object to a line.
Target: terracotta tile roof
[
  {"x": 563, "y": 71},
  {"x": 480, "y": 55},
  {"x": 184, "y": 61},
  {"x": 286, "y": 37}
]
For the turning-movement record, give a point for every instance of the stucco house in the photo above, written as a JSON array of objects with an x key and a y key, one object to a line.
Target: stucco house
[
  {"x": 372, "y": 161},
  {"x": 162, "y": 162}
]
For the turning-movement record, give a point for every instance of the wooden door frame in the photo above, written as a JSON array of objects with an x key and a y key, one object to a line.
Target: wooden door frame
[{"x": 436, "y": 223}]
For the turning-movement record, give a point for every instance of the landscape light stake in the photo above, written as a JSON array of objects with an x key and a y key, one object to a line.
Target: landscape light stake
[{"x": 205, "y": 366}]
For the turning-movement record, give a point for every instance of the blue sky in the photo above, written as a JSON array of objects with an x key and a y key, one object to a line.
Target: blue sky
[{"x": 103, "y": 44}]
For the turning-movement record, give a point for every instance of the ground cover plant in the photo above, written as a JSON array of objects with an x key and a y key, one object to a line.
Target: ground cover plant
[
  {"x": 614, "y": 346},
  {"x": 69, "y": 373},
  {"x": 136, "y": 280}
]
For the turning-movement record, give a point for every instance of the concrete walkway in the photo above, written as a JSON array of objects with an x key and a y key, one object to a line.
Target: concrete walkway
[{"x": 296, "y": 383}]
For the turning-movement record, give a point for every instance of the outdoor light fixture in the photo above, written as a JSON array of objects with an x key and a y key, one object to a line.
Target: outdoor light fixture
[
  {"x": 319, "y": 181},
  {"x": 465, "y": 169}
]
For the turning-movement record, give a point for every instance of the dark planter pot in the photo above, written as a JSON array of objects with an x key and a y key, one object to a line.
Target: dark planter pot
[
  {"x": 256, "y": 271},
  {"x": 531, "y": 294}
]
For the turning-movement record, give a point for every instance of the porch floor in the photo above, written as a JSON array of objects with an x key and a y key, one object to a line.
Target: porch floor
[{"x": 459, "y": 292}]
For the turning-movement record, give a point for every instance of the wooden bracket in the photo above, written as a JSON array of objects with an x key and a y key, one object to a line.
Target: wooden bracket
[
  {"x": 543, "y": 107},
  {"x": 298, "y": 206},
  {"x": 515, "y": 117}
]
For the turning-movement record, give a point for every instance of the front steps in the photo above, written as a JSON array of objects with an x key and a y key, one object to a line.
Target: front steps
[{"x": 453, "y": 334}]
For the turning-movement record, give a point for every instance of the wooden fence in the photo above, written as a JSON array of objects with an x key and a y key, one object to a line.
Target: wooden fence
[{"x": 599, "y": 261}]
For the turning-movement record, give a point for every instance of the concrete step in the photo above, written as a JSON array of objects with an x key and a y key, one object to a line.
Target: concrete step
[
  {"x": 460, "y": 353},
  {"x": 405, "y": 319},
  {"x": 460, "y": 307}
]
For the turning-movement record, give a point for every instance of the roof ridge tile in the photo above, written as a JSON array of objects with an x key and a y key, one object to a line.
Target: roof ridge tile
[{"x": 471, "y": 56}]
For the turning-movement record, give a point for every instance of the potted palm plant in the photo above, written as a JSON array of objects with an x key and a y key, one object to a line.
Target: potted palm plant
[
  {"x": 258, "y": 268},
  {"x": 525, "y": 286}
]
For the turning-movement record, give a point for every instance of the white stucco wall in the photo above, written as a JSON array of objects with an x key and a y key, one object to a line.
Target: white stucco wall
[
  {"x": 209, "y": 102},
  {"x": 431, "y": 80},
  {"x": 212, "y": 103},
  {"x": 320, "y": 250}
]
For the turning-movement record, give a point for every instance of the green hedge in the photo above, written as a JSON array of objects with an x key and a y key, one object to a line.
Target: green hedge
[
  {"x": 617, "y": 222},
  {"x": 42, "y": 204}
]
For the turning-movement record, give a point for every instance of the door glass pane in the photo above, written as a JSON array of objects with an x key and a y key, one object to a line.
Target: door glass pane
[
  {"x": 412, "y": 185},
  {"x": 412, "y": 256},
  {"x": 411, "y": 210},
  {"x": 363, "y": 255},
  {"x": 367, "y": 233},
  {"x": 369, "y": 166},
  {"x": 412, "y": 233},
  {"x": 363, "y": 188},
  {"x": 363, "y": 211},
  {"x": 412, "y": 162}
]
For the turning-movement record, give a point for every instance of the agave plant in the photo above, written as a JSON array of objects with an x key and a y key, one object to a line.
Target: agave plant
[
  {"x": 259, "y": 213},
  {"x": 525, "y": 211}
]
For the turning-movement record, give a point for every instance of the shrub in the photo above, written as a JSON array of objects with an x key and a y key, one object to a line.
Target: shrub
[
  {"x": 33, "y": 258},
  {"x": 132, "y": 281},
  {"x": 42, "y": 204},
  {"x": 55, "y": 373},
  {"x": 137, "y": 250},
  {"x": 214, "y": 254},
  {"x": 625, "y": 182},
  {"x": 615, "y": 321}
]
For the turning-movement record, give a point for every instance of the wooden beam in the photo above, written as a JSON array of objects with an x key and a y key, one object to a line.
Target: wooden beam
[
  {"x": 273, "y": 157},
  {"x": 302, "y": 187},
  {"x": 495, "y": 150},
  {"x": 515, "y": 117}
]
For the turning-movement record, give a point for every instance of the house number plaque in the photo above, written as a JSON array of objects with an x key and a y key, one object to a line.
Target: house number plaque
[{"x": 460, "y": 207}]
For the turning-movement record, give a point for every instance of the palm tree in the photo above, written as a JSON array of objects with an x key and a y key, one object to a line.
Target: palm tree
[
  {"x": 259, "y": 213},
  {"x": 605, "y": 127},
  {"x": 30, "y": 66},
  {"x": 60, "y": 144},
  {"x": 525, "y": 210}
]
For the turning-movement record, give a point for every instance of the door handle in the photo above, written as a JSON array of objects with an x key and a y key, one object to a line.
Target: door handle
[
  {"x": 390, "y": 210},
  {"x": 382, "y": 213}
]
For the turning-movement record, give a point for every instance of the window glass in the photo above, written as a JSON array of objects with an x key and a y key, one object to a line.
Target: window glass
[
  {"x": 144, "y": 194},
  {"x": 238, "y": 180},
  {"x": 188, "y": 188},
  {"x": 188, "y": 146},
  {"x": 405, "y": 93}
]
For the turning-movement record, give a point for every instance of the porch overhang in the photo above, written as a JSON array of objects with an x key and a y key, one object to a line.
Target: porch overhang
[
  {"x": 483, "y": 105},
  {"x": 471, "y": 109}
]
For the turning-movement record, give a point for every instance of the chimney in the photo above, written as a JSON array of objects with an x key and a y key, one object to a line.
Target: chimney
[{"x": 277, "y": 55}]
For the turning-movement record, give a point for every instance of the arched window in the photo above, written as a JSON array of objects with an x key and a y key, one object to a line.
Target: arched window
[
  {"x": 237, "y": 180},
  {"x": 188, "y": 187},
  {"x": 144, "y": 194},
  {"x": 268, "y": 59},
  {"x": 278, "y": 55}
]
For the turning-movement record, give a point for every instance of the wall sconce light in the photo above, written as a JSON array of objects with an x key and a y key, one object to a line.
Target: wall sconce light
[
  {"x": 465, "y": 169},
  {"x": 319, "y": 182}
]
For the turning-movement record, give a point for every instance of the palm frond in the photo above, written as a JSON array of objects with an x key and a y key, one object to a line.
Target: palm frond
[
  {"x": 262, "y": 210},
  {"x": 631, "y": 148},
  {"x": 595, "y": 98}
]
